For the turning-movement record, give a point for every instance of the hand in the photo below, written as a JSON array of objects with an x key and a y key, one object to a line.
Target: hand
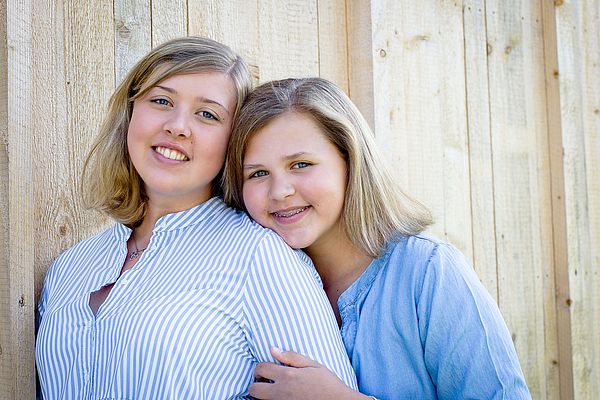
[{"x": 299, "y": 378}]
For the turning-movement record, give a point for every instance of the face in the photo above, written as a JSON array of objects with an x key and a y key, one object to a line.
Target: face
[
  {"x": 177, "y": 137},
  {"x": 295, "y": 181}
]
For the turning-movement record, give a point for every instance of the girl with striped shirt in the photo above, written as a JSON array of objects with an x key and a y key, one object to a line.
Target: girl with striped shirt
[{"x": 183, "y": 295}]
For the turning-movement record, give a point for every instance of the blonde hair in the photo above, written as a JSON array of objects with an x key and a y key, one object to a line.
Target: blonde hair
[
  {"x": 375, "y": 210},
  {"x": 109, "y": 180}
]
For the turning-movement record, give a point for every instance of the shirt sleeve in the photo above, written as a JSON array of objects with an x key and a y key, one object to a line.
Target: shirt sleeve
[
  {"x": 42, "y": 302},
  {"x": 287, "y": 307},
  {"x": 467, "y": 347}
]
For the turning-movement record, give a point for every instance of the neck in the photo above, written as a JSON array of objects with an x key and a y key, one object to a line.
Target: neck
[{"x": 339, "y": 265}]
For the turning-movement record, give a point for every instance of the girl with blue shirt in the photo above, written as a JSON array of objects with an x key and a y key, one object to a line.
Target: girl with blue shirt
[
  {"x": 415, "y": 319},
  {"x": 182, "y": 296}
]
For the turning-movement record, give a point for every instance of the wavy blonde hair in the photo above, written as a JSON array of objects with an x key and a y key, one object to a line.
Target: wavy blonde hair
[
  {"x": 109, "y": 180},
  {"x": 375, "y": 209}
]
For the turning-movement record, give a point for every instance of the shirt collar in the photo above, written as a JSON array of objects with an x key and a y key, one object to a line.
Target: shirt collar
[
  {"x": 364, "y": 282},
  {"x": 178, "y": 220}
]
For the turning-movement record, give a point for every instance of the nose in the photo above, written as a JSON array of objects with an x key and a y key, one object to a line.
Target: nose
[
  {"x": 178, "y": 124},
  {"x": 281, "y": 187}
]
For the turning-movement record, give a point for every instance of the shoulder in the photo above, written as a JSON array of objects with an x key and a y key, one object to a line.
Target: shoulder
[
  {"x": 63, "y": 265},
  {"x": 425, "y": 252},
  {"x": 236, "y": 222},
  {"x": 421, "y": 261},
  {"x": 411, "y": 254},
  {"x": 274, "y": 255},
  {"x": 267, "y": 253}
]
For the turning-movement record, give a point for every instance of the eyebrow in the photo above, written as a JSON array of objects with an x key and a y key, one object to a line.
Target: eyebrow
[
  {"x": 285, "y": 158},
  {"x": 199, "y": 98}
]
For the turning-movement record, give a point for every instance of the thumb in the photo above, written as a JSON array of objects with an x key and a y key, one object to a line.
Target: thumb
[{"x": 292, "y": 358}]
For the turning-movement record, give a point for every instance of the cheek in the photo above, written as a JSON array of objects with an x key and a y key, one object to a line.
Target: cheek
[
  {"x": 216, "y": 143},
  {"x": 254, "y": 199}
]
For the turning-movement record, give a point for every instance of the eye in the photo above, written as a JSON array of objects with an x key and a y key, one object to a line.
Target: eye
[
  {"x": 300, "y": 164},
  {"x": 258, "y": 174},
  {"x": 161, "y": 101},
  {"x": 208, "y": 115}
]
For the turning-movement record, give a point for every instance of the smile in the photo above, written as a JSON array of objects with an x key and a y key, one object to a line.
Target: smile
[
  {"x": 290, "y": 213},
  {"x": 171, "y": 154}
]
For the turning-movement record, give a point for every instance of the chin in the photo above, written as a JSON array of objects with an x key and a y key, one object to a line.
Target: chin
[{"x": 296, "y": 243}]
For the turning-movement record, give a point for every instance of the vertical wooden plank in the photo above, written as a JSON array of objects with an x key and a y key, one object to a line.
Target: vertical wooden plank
[
  {"x": 578, "y": 30},
  {"x": 21, "y": 243},
  {"x": 132, "y": 37},
  {"x": 333, "y": 48},
  {"x": 288, "y": 39},
  {"x": 522, "y": 188},
  {"x": 53, "y": 197},
  {"x": 420, "y": 107},
  {"x": 480, "y": 147},
  {"x": 234, "y": 23},
  {"x": 6, "y": 359},
  {"x": 559, "y": 223},
  {"x": 86, "y": 80},
  {"x": 169, "y": 20},
  {"x": 360, "y": 57}
]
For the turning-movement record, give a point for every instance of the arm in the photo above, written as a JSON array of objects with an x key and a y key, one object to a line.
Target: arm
[
  {"x": 468, "y": 350},
  {"x": 286, "y": 307}
]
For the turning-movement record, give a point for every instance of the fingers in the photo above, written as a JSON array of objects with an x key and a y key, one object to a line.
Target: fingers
[
  {"x": 266, "y": 371},
  {"x": 260, "y": 390},
  {"x": 292, "y": 358},
  {"x": 266, "y": 374}
]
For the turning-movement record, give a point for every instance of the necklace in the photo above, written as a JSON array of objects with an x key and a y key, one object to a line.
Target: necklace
[{"x": 135, "y": 253}]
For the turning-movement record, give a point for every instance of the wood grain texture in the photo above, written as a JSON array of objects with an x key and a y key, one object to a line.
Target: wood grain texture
[
  {"x": 360, "y": 57},
  {"x": 133, "y": 34},
  {"x": 89, "y": 82},
  {"x": 288, "y": 39},
  {"x": 21, "y": 243},
  {"x": 169, "y": 20},
  {"x": 6, "y": 351},
  {"x": 480, "y": 146},
  {"x": 333, "y": 46},
  {"x": 557, "y": 198},
  {"x": 578, "y": 30},
  {"x": 522, "y": 188},
  {"x": 420, "y": 108},
  {"x": 234, "y": 23}
]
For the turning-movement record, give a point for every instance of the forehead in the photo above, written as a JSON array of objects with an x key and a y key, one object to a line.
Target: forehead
[
  {"x": 168, "y": 70},
  {"x": 289, "y": 133},
  {"x": 290, "y": 124}
]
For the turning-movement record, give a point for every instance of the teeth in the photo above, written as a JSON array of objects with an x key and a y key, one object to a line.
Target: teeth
[
  {"x": 171, "y": 154},
  {"x": 289, "y": 213}
]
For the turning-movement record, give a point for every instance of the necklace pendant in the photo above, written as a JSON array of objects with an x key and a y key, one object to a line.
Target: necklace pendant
[{"x": 134, "y": 254}]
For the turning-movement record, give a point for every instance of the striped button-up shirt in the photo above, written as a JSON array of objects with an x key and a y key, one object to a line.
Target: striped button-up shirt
[{"x": 203, "y": 304}]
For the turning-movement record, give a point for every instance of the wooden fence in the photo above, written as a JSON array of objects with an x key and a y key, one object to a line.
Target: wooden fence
[{"x": 488, "y": 110}]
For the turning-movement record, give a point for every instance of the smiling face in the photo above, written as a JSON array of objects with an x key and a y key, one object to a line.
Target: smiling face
[
  {"x": 177, "y": 137},
  {"x": 295, "y": 181}
]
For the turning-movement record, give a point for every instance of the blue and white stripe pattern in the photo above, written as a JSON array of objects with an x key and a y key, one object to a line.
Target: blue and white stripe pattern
[{"x": 206, "y": 300}]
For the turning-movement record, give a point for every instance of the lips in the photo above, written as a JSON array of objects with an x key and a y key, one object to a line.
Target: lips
[{"x": 171, "y": 154}]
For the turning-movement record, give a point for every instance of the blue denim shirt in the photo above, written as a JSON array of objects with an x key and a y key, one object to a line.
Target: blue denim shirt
[{"x": 418, "y": 324}]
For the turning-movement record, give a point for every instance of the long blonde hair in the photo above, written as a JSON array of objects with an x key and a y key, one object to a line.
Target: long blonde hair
[
  {"x": 109, "y": 180},
  {"x": 375, "y": 209}
]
